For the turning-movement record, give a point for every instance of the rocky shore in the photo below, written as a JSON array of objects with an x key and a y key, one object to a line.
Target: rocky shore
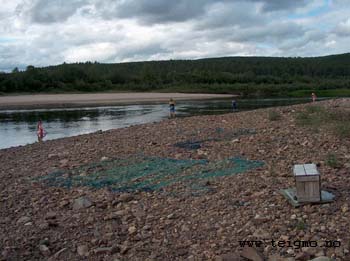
[{"x": 39, "y": 221}]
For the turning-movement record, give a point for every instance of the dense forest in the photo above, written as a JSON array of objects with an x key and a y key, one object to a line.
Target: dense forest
[{"x": 247, "y": 76}]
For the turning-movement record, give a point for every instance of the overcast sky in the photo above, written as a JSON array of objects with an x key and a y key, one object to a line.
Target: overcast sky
[{"x": 47, "y": 32}]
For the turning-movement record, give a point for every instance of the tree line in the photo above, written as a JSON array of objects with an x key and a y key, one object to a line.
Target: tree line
[{"x": 248, "y": 76}]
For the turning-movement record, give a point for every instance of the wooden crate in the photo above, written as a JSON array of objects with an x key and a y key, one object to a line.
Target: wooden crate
[{"x": 308, "y": 183}]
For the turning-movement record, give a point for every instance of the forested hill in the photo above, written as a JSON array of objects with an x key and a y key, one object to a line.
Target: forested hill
[{"x": 251, "y": 76}]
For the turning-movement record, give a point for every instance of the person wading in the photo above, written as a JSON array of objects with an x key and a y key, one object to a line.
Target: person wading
[
  {"x": 171, "y": 108},
  {"x": 40, "y": 131}
]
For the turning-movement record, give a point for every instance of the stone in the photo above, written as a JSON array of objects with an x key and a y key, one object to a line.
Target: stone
[
  {"x": 132, "y": 230},
  {"x": 345, "y": 208},
  {"x": 262, "y": 234},
  {"x": 64, "y": 163},
  {"x": 5, "y": 254},
  {"x": 126, "y": 197},
  {"x": 302, "y": 256},
  {"x": 290, "y": 251},
  {"x": 82, "y": 202},
  {"x": 171, "y": 216},
  {"x": 50, "y": 215},
  {"x": 23, "y": 220},
  {"x": 252, "y": 254},
  {"x": 228, "y": 257},
  {"x": 321, "y": 258},
  {"x": 45, "y": 242},
  {"x": 103, "y": 250},
  {"x": 277, "y": 257},
  {"x": 57, "y": 254},
  {"x": 311, "y": 251},
  {"x": 44, "y": 250},
  {"x": 52, "y": 156},
  {"x": 83, "y": 250},
  {"x": 124, "y": 249}
]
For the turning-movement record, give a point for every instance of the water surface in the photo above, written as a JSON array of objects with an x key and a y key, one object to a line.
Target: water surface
[{"x": 18, "y": 127}]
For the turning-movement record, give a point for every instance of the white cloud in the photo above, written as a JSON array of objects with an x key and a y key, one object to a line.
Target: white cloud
[{"x": 44, "y": 32}]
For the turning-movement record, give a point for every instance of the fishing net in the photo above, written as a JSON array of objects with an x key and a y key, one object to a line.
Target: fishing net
[
  {"x": 142, "y": 173},
  {"x": 217, "y": 134}
]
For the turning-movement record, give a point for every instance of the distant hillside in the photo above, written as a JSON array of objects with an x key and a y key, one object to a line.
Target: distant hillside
[{"x": 249, "y": 76}]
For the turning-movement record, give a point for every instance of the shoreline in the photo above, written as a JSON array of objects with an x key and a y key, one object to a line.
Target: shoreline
[{"x": 97, "y": 99}]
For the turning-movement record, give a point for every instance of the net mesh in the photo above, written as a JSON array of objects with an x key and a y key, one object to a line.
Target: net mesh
[
  {"x": 217, "y": 134},
  {"x": 135, "y": 173}
]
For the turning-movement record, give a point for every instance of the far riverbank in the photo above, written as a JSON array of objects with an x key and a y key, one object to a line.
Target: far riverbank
[{"x": 96, "y": 99}]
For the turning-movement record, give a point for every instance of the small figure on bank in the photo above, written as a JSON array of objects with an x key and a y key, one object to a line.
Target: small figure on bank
[
  {"x": 171, "y": 108},
  {"x": 40, "y": 131},
  {"x": 234, "y": 105},
  {"x": 313, "y": 96}
]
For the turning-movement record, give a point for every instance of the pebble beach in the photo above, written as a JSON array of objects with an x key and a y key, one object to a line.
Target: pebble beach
[{"x": 173, "y": 220}]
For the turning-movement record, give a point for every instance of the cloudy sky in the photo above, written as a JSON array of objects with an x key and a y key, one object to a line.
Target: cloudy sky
[{"x": 47, "y": 32}]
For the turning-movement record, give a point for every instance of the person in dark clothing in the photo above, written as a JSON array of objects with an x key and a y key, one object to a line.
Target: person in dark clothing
[
  {"x": 172, "y": 108},
  {"x": 234, "y": 105}
]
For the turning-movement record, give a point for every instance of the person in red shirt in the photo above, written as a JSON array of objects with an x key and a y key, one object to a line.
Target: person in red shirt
[{"x": 40, "y": 131}]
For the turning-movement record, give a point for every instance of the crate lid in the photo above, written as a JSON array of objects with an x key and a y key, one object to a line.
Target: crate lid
[{"x": 305, "y": 170}]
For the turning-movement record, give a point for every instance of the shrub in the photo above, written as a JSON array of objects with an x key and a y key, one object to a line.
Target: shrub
[
  {"x": 274, "y": 116},
  {"x": 332, "y": 160}
]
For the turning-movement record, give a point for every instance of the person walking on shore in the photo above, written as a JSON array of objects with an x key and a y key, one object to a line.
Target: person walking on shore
[
  {"x": 313, "y": 97},
  {"x": 40, "y": 131},
  {"x": 171, "y": 108}
]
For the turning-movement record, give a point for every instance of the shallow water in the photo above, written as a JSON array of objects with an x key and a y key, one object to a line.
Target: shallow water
[{"x": 18, "y": 127}]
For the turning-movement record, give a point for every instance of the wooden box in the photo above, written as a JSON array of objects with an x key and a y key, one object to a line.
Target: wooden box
[{"x": 308, "y": 183}]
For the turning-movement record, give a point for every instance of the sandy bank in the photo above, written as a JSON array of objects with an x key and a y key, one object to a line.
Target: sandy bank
[{"x": 68, "y": 100}]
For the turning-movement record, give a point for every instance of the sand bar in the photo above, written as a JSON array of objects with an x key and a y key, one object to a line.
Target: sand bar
[{"x": 71, "y": 100}]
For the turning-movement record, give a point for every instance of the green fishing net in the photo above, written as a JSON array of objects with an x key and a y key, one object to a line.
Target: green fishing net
[
  {"x": 216, "y": 134},
  {"x": 144, "y": 173}
]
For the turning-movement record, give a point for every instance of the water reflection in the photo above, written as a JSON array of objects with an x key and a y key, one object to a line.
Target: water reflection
[{"x": 18, "y": 127}]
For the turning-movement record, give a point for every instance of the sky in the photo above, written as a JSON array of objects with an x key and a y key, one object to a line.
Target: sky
[{"x": 50, "y": 32}]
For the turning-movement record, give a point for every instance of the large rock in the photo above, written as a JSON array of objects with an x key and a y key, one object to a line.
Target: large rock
[
  {"x": 44, "y": 250},
  {"x": 83, "y": 250},
  {"x": 229, "y": 257},
  {"x": 23, "y": 220},
  {"x": 82, "y": 202},
  {"x": 321, "y": 258},
  {"x": 252, "y": 254}
]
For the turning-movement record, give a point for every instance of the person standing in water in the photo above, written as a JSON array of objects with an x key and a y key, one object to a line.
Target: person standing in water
[
  {"x": 40, "y": 131},
  {"x": 234, "y": 105},
  {"x": 171, "y": 108}
]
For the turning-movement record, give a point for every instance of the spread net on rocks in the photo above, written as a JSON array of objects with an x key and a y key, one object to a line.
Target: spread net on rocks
[
  {"x": 217, "y": 134},
  {"x": 148, "y": 173}
]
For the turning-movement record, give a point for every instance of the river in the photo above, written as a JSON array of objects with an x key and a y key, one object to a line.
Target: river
[{"x": 18, "y": 127}]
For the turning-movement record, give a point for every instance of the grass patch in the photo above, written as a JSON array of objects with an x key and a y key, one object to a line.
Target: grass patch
[
  {"x": 316, "y": 117},
  {"x": 313, "y": 117},
  {"x": 332, "y": 160},
  {"x": 314, "y": 109},
  {"x": 274, "y": 116},
  {"x": 300, "y": 225},
  {"x": 343, "y": 130}
]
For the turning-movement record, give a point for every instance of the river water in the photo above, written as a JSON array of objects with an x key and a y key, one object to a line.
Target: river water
[{"x": 18, "y": 127}]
